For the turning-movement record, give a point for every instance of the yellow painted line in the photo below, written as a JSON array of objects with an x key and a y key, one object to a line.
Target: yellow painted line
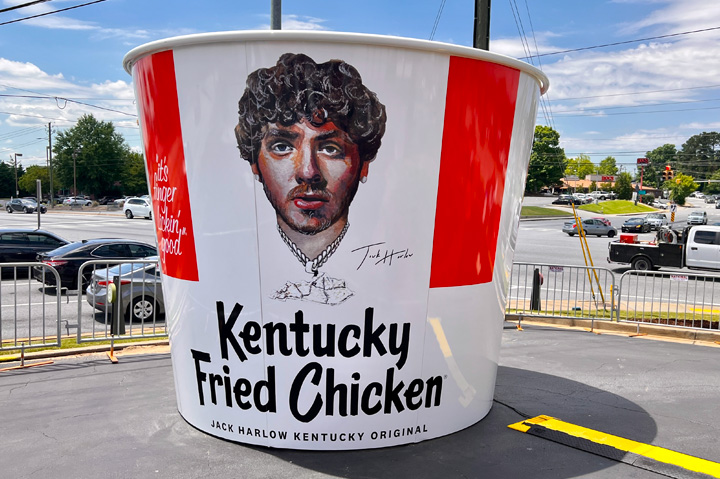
[
  {"x": 660, "y": 454},
  {"x": 711, "y": 311}
]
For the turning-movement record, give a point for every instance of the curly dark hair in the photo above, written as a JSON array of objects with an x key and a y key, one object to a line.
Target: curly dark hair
[{"x": 296, "y": 88}]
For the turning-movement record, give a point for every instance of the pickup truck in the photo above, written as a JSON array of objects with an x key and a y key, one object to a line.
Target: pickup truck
[{"x": 696, "y": 247}]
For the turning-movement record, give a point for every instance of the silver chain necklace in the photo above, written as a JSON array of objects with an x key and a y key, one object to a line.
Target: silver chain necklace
[{"x": 312, "y": 266}]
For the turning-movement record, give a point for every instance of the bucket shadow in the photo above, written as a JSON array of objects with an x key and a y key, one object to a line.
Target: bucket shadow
[{"x": 489, "y": 449}]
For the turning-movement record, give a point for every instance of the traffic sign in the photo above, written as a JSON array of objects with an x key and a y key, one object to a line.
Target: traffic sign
[
  {"x": 642, "y": 192},
  {"x": 643, "y": 161}
]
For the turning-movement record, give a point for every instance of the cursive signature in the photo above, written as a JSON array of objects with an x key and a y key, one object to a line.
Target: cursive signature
[{"x": 375, "y": 252}]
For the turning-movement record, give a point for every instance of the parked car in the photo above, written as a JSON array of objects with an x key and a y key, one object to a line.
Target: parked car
[
  {"x": 106, "y": 200},
  {"x": 23, "y": 205},
  {"x": 24, "y": 244},
  {"x": 697, "y": 218},
  {"x": 591, "y": 226},
  {"x": 660, "y": 204},
  {"x": 138, "y": 207},
  {"x": 141, "y": 296},
  {"x": 68, "y": 259},
  {"x": 710, "y": 199},
  {"x": 656, "y": 220},
  {"x": 567, "y": 200},
  {"x": 635, "y": 225},
  {"x": 77, "y": 200},
  {"x": 583, "y": 197},
  {"x": 600, "y": 195}
]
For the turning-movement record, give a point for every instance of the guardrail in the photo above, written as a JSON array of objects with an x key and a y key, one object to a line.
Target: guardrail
[
  {"x": 670, "y": 299},
  {"x": 28, "y": 317},
  {"x": 137, "y": 310},
  {"x": 538, "y": 289}
]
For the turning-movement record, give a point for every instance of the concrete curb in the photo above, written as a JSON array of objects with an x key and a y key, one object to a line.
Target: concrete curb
[
  {"x": 711, "y": 338},
  {"x": 57, "y": 353}
]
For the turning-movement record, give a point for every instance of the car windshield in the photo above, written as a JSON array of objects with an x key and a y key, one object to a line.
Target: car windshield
[
  {"x": 655, "y": 216},
  {"x": 66, "y": 249},
  {"x": 635, "y": 220}
]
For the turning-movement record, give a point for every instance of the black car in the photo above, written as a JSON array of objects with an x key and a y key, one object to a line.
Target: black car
[
  {"x": 636, "y": 225},
  {"x": 567, "y": 199},
  {"x": 105, "y": 200},
  {"x": 24, "y": 205},
  {"x": 23, "y": 244},
  {"x": 68, "y": 259}
]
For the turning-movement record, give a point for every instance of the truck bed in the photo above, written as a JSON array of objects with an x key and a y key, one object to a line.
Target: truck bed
[{"x": 661, "y": 254}]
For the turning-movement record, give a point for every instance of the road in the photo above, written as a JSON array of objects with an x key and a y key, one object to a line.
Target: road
[
  {"x": 25, "y": 304},
  {"x": 543, "y": 241},
  {"x": 538, "y": 242}
]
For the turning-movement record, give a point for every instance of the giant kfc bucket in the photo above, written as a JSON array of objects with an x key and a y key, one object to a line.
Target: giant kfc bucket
[{"x": 336, "y": 216}]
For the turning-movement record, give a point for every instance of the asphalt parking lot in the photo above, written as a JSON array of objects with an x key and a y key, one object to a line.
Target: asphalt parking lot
[{"x": 87, "y": 418}]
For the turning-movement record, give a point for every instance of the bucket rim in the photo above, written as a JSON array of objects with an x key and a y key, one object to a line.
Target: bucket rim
[{"x": 248, "y": 36}]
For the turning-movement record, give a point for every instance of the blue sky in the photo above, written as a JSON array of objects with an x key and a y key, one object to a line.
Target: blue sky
[{"x": 644, "y": 94}]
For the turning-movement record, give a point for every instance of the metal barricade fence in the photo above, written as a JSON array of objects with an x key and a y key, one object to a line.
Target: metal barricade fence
[
  {"x": 138, "y": 308},
  {"x": 671, "y": 299},
  {"x": 560, "y": 290},
  {"x": 29, "y": 310}
]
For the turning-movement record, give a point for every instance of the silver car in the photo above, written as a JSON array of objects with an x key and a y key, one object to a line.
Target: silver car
[
  {"x": 140, "y": 292},
  {"x": 656, "y": 220},
  {"x": 591, "y": 226}
]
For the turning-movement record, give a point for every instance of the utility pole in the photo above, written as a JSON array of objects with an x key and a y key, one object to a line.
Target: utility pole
[
  {"x": 50, "y": 170},
  {"x": 74, "y": 156},
  {"x": 481, "y": 32},
  {"x": 275, "y": 14},
  {"x": 17, "y": 191}
]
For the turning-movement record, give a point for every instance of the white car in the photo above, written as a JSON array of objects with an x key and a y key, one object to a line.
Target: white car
[
  {"x": 77, "y": 201},
  {"x": 137, "y": 207}
]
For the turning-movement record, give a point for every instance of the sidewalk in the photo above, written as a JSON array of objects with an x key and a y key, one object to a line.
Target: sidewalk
[{"x": 86, "y": 418}]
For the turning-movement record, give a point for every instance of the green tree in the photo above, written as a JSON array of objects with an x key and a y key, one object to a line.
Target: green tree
[
  {"x": 7, "y": 180},
  {"x": 606, "y": 186},
  {"x": 680, "y": 187},
  {"x": 623, "y": 186},
  {"x": 91, "y": 153},
  {"x": 580, "y": 166},
  {"x": 700, "y": 155},
  {"x": 135, "y": 180},
  {"x": 593, "y": 186},
  {"x": 713, "y": 188},
  {"x": 657, "y": 160},
  {"x": 27, "y": 182},
  {"x": 608, "y": 167},
  {"x": 547, "y": 160}
]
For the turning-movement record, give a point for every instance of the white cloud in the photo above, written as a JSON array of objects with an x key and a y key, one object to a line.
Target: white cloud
[
  {"x": 678, "y": 16},
  {"x": 297, "y": 22},
  {"x": 22, "y": 78}
]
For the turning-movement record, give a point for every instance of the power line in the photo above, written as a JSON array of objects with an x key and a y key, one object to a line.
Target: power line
[
  {"x": 642, "y": 106},
  {"x": 36, "y": 116},
  {"x": 23, "y": 5},
  {"x": 545, "y": 97},
  {"x": 625, "y": 42},
  {"x": 50, "y": 13},
  {"x": 637, "y": 93},
  {"x": 437, "y": 19},
  {"x": 642, "y": 112}
]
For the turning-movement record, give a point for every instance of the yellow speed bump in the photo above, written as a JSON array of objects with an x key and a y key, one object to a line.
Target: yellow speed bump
[{"x": 650, "y": 457}]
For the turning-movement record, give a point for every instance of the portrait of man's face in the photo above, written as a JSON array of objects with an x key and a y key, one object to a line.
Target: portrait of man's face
[
  {"x": 309, "y": 132},
  {"x": 310, "y": 173}
]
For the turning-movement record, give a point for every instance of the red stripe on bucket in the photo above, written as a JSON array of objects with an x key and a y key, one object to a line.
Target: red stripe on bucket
[
  {"x": 479, "y": 112},
  {"x": 165, "y": 160}
]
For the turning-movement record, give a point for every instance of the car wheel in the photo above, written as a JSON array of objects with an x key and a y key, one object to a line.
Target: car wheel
[
  {"x": 128, "y": 214},
  {"x": 9, "y": 210},
  {"x": 141, "y": 309},
  {"x": 611, "y": 234},
  {"x": 25, "y": 209},
  {"x": 642, "y": 264},
  {"x": 571, "y": 234},
  {"x": 149, "y": 216}
]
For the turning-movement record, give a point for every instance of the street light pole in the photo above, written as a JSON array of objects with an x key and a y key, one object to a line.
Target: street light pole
[
  {"x": 74, "y": 156},
  {"x": 17, "y": 191}
]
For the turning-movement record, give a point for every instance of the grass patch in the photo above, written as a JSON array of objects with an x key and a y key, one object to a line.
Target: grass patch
[
  {"x": 67, "y": 343},
  {"x": 616, "y": 207},
  {"x": 529, "y": 211}
]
